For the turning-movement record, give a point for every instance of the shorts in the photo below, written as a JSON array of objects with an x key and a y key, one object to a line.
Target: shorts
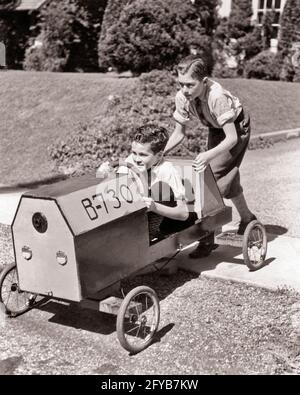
[{"x": 226, "y": 166}]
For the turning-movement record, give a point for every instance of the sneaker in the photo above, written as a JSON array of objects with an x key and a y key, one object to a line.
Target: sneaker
[
  {"x": 204, "y": 248},
  {"x": 243, "y": 225}
]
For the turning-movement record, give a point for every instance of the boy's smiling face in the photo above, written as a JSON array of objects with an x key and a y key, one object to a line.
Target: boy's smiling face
[{"x": 143, "y": 156}]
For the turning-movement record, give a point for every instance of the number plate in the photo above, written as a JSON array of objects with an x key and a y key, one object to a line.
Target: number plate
[{"x": 96, "y": 205}]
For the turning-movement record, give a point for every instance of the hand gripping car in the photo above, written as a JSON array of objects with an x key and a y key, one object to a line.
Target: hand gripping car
[{"x": 76, "y": 240}]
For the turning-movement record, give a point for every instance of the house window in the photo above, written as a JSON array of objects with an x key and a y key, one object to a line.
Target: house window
[
  {"x": 277, "y": 17},
  {"x": 260, "y": 16},
  {"x": 275, "y": 31},
  {"x": 277, "y": 3},
  {"x": 268, "y": 5}
]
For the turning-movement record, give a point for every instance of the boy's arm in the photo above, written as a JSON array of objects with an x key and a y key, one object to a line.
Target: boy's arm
[
  {"x": 179, "y": 212},
  {"x": 176, "y": 137}
]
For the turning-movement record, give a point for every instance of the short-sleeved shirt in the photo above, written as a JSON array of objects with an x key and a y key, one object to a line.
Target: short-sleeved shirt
[
  {"x": 215, "y": 107},
  {"x": 164, "y": 172}
]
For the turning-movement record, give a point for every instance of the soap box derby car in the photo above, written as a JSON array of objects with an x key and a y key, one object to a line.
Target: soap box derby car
[{"x": 75, "y": 240}]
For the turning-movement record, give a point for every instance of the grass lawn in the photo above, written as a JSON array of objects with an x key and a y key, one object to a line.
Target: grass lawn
[{"x": 38, "y": 108}]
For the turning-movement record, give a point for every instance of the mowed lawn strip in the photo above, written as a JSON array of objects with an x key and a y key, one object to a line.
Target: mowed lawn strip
[{"x": 36, "y": 109}]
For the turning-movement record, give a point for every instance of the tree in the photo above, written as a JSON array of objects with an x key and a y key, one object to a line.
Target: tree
[
  {"x": 14, "y": 32},
  {"x": 154, "y": 34},
  {"x": 239, "y": 30},
  {"x": 289, "y": 36},
  {"x": 84, "y": 51},
  {"x": 208, "y": 14},
  {"x": 239, "y": 22},
  {"x": 267, "y": 28},
  {"x": 9, "y": 4},
  {"x": 112, "y": 13},
  {"x": 111, "y": 17},
  {"x": 289, "y": 26},
  {"x": 69, "y": 33}
]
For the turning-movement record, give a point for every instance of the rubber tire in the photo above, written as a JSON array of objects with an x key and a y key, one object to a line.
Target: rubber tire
[
  {"x": 3, "y": 274},
  {"x": 247, "y": 233},
  {"x": 121, "y": 315}
]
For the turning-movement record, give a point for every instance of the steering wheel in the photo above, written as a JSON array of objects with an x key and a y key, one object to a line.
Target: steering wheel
[{"x": 138, "y": 175}]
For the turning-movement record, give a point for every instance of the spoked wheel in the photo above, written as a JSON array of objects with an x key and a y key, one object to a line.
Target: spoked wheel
[
  {"x": 15, "y": 301},
  {"x": 138, "y": 319},
  {"x": 255, "y": 245}
]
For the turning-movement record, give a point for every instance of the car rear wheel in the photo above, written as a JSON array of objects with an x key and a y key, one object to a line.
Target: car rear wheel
[{"x": 14, "y": 300}]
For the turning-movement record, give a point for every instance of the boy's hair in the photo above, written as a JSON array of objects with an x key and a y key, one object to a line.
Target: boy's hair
[
  {"x": 195, "y": 64},
  {"x": 157, "y": 136}
]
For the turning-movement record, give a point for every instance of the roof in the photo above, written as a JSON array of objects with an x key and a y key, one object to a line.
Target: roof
[
  {"x": 22, "y": 5},
  {"x": 27, "y": 5}
]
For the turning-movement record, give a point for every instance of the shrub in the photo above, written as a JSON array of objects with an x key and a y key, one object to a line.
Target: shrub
[
  {"x": 237, "y": 28},
  {"x": 239, "y": 21},
  {"x": 84, "y": 49},
  {"x": 111, "y": 17},
  {"x": 109, "y": 137},
  {"x": 289, "y": 35},
  {"x": 69, "y": 32},
  {"x": 251, "y": 43},
  {"x": 221, "y": 70},
  {"x": 287, "y": 71},
  {"x": 297, "y": 74},
  {"x": 289, "y": 26},
  {"x": 267, "y": 28},
  {"x": 154, "y": 35},
  {"x": 8, "y": 4},
  {"x": 263, "y": 66}
]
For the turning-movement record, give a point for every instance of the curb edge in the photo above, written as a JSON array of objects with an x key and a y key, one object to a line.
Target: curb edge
[{"x": 278, "y": 135}]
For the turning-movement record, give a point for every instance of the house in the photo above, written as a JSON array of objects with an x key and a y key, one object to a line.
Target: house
[
  {"x": 2, "y": 56},
  {"x": 24, "y": 5},
  {"x": 21, "y": 15},
  {"x": 260, "y": 7}
]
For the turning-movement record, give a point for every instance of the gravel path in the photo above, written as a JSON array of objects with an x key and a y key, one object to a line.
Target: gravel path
[{"x": 207, "y": 327}]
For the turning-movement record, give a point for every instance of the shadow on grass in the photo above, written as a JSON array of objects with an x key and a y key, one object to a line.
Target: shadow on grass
[{"x": 33, "y": 184}]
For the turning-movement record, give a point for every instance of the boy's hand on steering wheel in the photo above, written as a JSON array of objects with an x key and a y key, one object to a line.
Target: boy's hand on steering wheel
[
  {"x": 149, "y": 203},
  {"x": 103, "y": 170}
]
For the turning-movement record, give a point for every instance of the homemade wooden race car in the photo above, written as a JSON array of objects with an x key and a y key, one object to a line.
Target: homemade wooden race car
[{"x": 77, "y": 239}]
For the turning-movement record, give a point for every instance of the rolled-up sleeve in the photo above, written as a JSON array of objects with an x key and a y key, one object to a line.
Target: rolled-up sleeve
[
  {"x": 181, "y": 113},
  {"x": 223, "y": 109}
]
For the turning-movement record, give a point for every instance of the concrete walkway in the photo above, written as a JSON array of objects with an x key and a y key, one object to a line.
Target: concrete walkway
[
  {"x": 282, "y": 269},
  {"x": 8, "y": 204}
]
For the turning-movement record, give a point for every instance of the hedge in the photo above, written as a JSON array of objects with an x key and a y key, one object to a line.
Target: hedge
[
  {"x": 69, "y": 33},
  {"x": 266, "y": 66},
  {"x": 109, "y": 137},
  {"x": 154, "y": 35}
]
